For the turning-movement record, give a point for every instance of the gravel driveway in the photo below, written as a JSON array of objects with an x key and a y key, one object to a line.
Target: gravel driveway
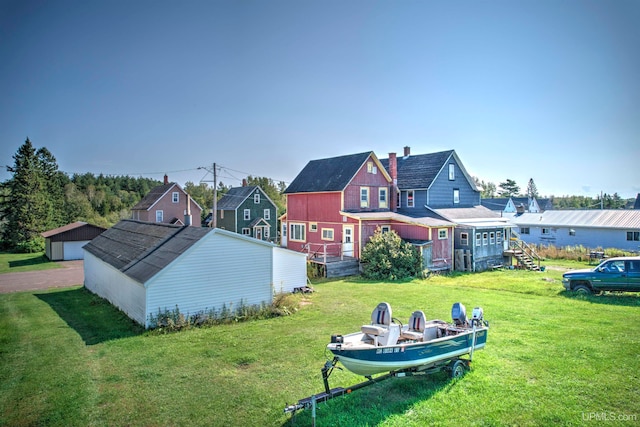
[{"x": 71, "y": 274}]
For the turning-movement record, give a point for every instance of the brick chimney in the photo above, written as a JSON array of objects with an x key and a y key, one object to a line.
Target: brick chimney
[
  {"x": 407, "y": 151},
  {"x": 393, "y": 171},
  {"x": 244, "y": 182},
  {"x": 166, "y": 179}
]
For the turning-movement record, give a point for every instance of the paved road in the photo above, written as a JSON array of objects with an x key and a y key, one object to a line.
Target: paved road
[{"x": 71, "y": 273}]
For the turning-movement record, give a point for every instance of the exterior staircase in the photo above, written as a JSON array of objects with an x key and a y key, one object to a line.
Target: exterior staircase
[{"x": 524, "y": 253}]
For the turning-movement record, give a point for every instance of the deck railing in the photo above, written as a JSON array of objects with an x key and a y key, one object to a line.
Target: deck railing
[{"x": 323, "y": 250}]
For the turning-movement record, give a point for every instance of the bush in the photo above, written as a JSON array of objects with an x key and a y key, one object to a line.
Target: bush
[{"x": 387, "y": 257}]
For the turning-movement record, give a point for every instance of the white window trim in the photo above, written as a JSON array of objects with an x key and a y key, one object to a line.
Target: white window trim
[
  {"x": 313, "y": 227},
  {"x": 464, "y": 239},
  {"x": 492, "y": 238},
  {"x": 456, "y": 196},
  {"x": 443, "y": 234},
  {"x": 485, "y": 238},
  {"x": 383, "y": 203},
  {"x": 175, "y": 197},
  {"x": 160, "y": 214},
  {"x": 452, "y": 172},
  {"x": 246, "y": 231},
  {"x": 385, "y": 229},
  {"x": 478, "y": 239},
  {"x": 256, "y": 198},
  {"x": 301, "y": 230},
  {"x": 267, "y": 214},
  {"x": 247, "y": 214},
  {"x": 364, "y": 203},
  {"x": 413, "y": 199},
  {"x": 329, "y": 235}
]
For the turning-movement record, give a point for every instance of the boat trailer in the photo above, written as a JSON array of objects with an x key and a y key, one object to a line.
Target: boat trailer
[{"x": 456, "y": 367}]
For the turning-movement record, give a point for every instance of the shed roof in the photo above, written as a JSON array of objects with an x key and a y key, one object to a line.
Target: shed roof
[
  {"x": 142, "y": 249},
  {"x": 607, "y": 218},
  {"x": 65, "y": 228},
  {"x": 332, "y": 174}
]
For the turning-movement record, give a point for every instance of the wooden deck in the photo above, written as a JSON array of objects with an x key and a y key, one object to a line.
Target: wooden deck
[{"x": 335, "y": 266}]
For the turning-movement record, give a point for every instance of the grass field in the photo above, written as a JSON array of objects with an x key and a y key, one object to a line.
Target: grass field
[
  {"x": 14, "y": 263},
  {"x": 70, "y": 359}
]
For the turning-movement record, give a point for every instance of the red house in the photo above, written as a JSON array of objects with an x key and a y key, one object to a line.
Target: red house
[
  {"x": 168, "y": 203},
  {"x": 335, "y": 205}
]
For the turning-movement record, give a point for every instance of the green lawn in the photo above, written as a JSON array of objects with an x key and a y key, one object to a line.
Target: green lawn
[
  {"x": 13, "y": 263},
  {"x": 69, "y": 359}
]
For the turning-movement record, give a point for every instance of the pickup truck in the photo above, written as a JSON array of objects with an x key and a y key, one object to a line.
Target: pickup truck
[{"x": 620, "y": 274}]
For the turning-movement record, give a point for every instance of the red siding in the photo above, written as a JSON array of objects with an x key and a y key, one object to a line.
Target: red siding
[{"x": 365, "y": 179}]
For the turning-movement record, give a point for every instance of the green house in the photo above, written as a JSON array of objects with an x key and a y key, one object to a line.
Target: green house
[{"x": 249, "y": 211}]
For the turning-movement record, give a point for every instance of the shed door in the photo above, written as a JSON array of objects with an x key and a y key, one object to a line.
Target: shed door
[{"x": 73, "y": 250}]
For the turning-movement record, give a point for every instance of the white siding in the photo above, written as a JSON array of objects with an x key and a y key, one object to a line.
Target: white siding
[
  {"x": 289, "y": 269},
  {"x": 112, "y": 285},
  {"x": 219, "y": 269}
]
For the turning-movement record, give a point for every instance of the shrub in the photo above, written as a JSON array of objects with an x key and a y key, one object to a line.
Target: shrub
[{"x": 387, "y": 257}]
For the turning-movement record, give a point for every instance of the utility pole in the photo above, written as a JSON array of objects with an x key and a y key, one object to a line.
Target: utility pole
[
  {"x": 214, "y": 213},
  {"x": 214, "y": 220}
]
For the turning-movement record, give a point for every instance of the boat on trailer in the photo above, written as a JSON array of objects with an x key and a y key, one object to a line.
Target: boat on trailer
[{"x": 386, "y": 345}]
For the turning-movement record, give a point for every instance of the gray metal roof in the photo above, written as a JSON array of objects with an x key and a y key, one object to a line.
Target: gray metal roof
[{"x": 608, "y": 218}]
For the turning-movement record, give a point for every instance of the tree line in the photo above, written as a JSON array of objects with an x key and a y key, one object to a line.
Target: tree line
[{"x": 39, "y": 197}]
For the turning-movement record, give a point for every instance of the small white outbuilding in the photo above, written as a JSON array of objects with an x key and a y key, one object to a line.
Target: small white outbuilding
[{"x": 144, "y": 268}]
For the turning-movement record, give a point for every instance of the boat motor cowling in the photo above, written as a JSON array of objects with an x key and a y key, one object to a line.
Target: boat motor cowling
[{"x": 459, "y": 314}]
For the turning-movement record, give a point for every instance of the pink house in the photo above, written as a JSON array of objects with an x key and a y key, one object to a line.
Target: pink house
[{"x": 169, "y": 204}]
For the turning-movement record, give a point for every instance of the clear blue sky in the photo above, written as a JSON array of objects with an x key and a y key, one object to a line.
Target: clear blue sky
[{"x": 548, "y": 90}]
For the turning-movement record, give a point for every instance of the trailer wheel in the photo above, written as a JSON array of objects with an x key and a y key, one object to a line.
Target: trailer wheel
[{"x": 458, "y": 368}]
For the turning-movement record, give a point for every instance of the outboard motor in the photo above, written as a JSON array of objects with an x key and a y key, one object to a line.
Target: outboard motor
[
  {"x": 459, "y": 314},
  {"x": 477, "y": 316}
]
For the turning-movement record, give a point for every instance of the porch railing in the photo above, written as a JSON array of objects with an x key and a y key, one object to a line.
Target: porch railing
[{"x": 324, "y": 250}]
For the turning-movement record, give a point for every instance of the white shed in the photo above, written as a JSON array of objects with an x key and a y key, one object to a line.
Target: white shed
[{"x": 143, "y": 268}]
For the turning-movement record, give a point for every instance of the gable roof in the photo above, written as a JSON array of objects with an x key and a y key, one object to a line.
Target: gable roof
[
  {"x": 141, "y": 249},
  {"x": 606, "y": 218},
  {"x": 333, "y": 174},
  {"x": 419, "y": 171},
  {"x": 69, "y": 227},
  {"x": 495, "y": 204},
  {"x": 236, "y": 196},
  {"x": 156, "y": 193}
]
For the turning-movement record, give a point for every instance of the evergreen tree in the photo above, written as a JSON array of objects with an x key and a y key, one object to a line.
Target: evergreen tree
[
  {"x": 532, "y": 190},
  {"x": 33, "y": 203},
  {"x": 509, "y": 188}
]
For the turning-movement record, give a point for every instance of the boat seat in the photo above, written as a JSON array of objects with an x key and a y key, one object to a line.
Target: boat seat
[
  {"x": 415, "y": 330},
  {"x": 380, "y": 329}
]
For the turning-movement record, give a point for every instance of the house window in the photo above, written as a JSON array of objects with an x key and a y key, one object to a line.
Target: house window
[
  {"x": 267, "y": 214},
  {"x": 546, "y": 230},
  {"x": 221, "y": 214},
  {"x": 398, "y": 199},
  {"x": 442, "y": 233},
  {"x": 498, "y": 237},
  {"x": 266, "y": 232},
  {"x": 382, "y": 197},
  {"x": 159, "y": 216},
  {"x": 246, "y": 231},
  {"x": 256, "y": 198},
  {"x": 464, "y": 239},
  {"x": 327, "y": 234},
  {"x": 478, "y": 239},
  {"x": 492, "y": 238},
  {"x": 525, "y": 230},
  {"x": 452, "y": 172},
  {"x": 297, "y": 232},
  {"x": 371, "y": 168},
  {"x": 572, "y": 232},
  {"x": 247, "y": 214},
  {"x": 485, "y": 238},
  {"x": 456, "y": 196},
  {"x": 410, "y": 198},
  {"x": 175, "y": 197},
  {"x": 385, "y": 229},
  {"x": 633, "y": 236},
  {"x": 364, "y": 197},
  {"x": 313, "y": 227}
]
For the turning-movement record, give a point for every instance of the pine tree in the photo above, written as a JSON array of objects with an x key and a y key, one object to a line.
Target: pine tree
[
  {"x": 532, "y": 190},
  {"x": 509, "y": 188}
]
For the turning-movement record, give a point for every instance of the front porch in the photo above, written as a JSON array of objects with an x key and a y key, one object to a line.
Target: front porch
[{"x": 330, "y": 260}]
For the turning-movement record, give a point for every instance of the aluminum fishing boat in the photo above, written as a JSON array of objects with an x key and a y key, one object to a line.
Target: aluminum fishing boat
[{"x": 387, "y": 345}]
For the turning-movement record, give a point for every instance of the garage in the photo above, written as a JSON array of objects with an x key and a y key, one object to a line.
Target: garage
[{"x": 65, "y": 243}]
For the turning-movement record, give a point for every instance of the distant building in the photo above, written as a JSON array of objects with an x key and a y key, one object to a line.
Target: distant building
[{"x": 168, "y": 204}]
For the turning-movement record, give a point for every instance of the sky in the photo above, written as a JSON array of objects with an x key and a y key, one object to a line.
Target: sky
[{"x": 547, "y": 90}]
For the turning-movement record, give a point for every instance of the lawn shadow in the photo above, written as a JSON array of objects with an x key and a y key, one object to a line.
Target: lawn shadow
[
  {"x": 40, "y": 259},
  {"x": 626, "y": 299},
  {"x": 375, "y": 403},
  {"x": 92, "y": 317}
]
